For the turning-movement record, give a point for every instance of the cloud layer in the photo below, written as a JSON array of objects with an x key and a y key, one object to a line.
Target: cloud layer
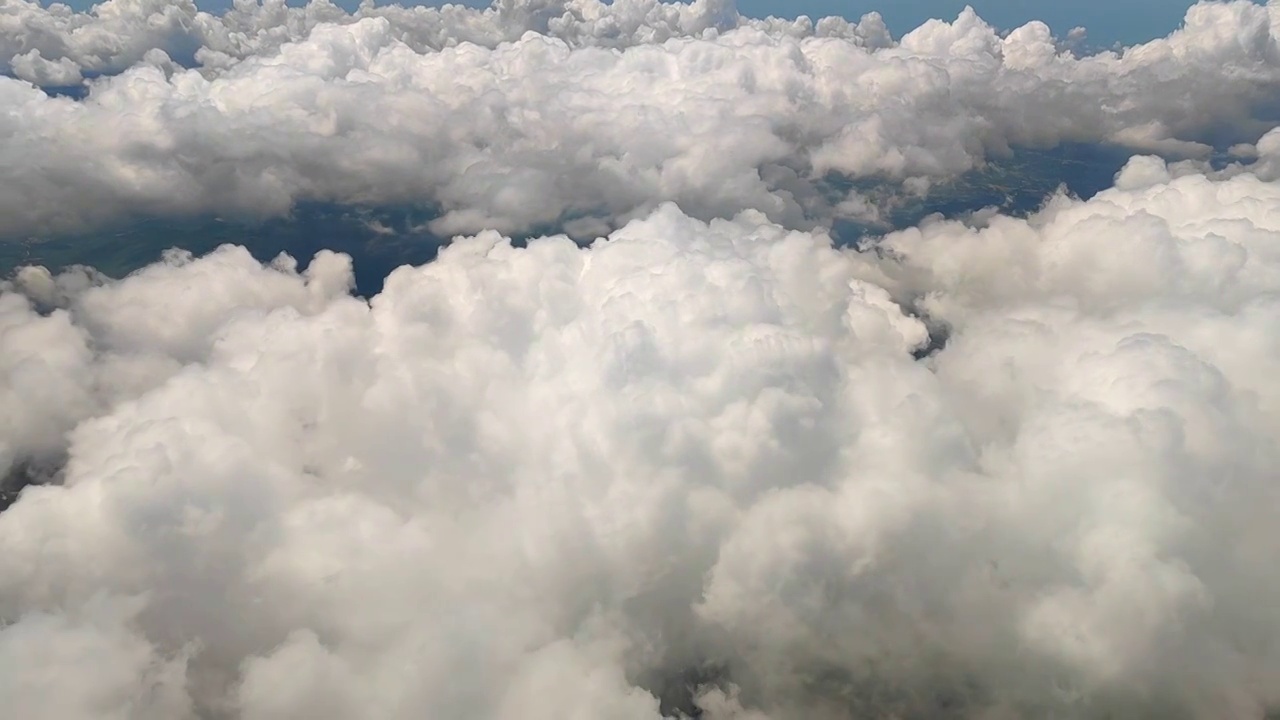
[
  {"x": 689, "y": 458},
  {"x": 54, "y": 45},
  {"x": 691, "y": 466},
  {"x": 575, "y": 114}
]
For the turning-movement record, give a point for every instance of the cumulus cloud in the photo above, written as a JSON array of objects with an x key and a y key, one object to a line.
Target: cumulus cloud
[
  {"x": 115, "y": 34},
  {"x": 690, "y": 458},
  {"x": 1260, "y": 160},
  {"x": 577, "y": 114},
  {"x": 694, "y": 466}
]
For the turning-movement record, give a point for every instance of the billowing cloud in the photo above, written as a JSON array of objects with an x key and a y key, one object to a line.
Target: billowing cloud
[
  {"x": 606, "y": 113},
  {"x": 690, "y": 466},
  {"x": 1260, "y": 160},
  {"x": 691, "y": 458},
  {"x": 55, "y": 45}
]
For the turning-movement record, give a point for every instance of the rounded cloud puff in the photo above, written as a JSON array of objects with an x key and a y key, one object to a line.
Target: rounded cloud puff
[
  {"x": 552, "y": 128},
  {"x": 56, "y": 46},
  {"x": 691, "y": 468}
]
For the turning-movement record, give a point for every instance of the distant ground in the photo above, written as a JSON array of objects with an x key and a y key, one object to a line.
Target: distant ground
[
  {"x": 381, "y": 239},
  {"x": 1017, "y": 185}
]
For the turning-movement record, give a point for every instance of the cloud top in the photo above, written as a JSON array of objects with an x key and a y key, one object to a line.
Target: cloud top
[
  {"x": 688, "y": 458},
  {"x": 691, "y": 466},
  {"x": 584, "y": 115}
]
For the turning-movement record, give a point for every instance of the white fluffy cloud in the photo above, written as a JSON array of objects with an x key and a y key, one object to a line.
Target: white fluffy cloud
[
  {"x": 709, "y": 463},
  {"x": 610, "y": 111},
  {"x": 691, "y": 465},
  {"x": 55, "y": 45}
]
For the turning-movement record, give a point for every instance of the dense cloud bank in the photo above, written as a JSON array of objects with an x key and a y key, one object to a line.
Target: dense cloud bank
[
  {"x": 708, "y": 464},
  {"x": 57, "y": 46},
  {"x": 596, "y": 118},
  {"x": 691, "y": 466}
]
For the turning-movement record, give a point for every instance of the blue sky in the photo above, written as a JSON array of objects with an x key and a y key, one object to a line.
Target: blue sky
[{"x": 1108, "y": 21}]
